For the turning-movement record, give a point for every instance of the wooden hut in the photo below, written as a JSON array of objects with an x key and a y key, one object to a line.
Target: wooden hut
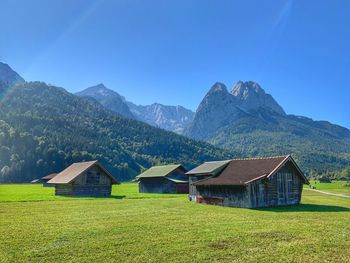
[
  {"x": 47, "y": 178},
  {"x": 84, "y": 179},
  {"x": 251, "y": 183},
  {"x": 170, "y": 179}
]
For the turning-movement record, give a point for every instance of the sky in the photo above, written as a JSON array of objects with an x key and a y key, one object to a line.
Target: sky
[{"x": 172, "y": 52}]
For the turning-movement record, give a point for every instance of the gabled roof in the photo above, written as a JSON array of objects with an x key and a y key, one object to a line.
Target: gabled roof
[
  {"x": 48, "y": 177},
  {"x": 209, "y": 168},
  {"x": 76, "y": 169},
  {"x": 244, "y": 171},
  {"x": 160, "y": 171}
]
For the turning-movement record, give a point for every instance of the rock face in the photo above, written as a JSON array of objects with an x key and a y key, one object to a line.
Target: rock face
[
  {"x": 219, "y": 107},
  {"x": 171, "y": 118},
  {"x": 250, "y": 96},
  {"x": 109, "y": 99},
  {"x": 8, "y": 78}
]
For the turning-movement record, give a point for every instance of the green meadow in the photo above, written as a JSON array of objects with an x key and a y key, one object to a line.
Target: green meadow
[
  {"x": 336, "y": 187},
  {"x": 36, "y": 226}
]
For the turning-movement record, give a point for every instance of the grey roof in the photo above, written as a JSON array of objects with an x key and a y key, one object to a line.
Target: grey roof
[
  {"x": 209, "y": 168},
  {"x": 160, "y": 171},
  {"x": 76, "y": 169}
]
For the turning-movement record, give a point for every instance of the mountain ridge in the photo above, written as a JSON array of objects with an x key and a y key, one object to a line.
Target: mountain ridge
[
  {"x": 251, "y": 123},
  {"x": 170, "y": 118}
]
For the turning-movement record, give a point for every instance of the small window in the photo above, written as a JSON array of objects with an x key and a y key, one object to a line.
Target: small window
[{"x": 92, "y": 178}]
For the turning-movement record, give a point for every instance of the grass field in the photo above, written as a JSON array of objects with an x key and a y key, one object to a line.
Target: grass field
[
  {"x": 36, "y": 226},
  {"x": 337, "y": 187}
]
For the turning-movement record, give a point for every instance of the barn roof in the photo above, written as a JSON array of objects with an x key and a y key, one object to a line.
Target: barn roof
[
  {"x": 160, "y": 171},
  {"x": 244, "y": 171},
  {"x": 209, "y": 168},
  {"x": 49, "y": 177},
  {"x": 177, "y": 180},
  {"x": 76, "y": 169}
]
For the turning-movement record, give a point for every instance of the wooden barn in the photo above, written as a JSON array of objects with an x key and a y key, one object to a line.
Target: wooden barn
[
  {"x": 249, "y": 183},
  {"x": 47, "y": 178},
  {"x": 165, "y": 179},
  {"x": 84, "y": 179}
]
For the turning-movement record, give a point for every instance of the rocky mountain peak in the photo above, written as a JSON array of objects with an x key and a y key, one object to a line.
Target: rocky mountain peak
[
  {"x": 251, "y": 96},
  {"x": 243, "y": 89},
  {"x": 218, "y": 87}
]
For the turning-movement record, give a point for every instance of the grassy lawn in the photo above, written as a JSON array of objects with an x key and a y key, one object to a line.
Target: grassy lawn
[
  {"x": 36, "y": 226},
  {"x": 337, "y": 187}
]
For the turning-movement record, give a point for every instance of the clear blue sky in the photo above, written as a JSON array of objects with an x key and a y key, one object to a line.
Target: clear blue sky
[{"x": 173, "y": 51}]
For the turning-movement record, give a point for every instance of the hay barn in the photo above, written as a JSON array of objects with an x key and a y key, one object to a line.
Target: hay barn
[
  {"x": 84, "y": 179},
  {"x": 165, "y": 179},
  {"x": 249, "y": 183}
]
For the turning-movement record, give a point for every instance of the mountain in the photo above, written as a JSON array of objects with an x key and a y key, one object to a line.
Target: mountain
[
  {"x": 250, "y": 96},
  {"x": 108, "y": 98},
  {"x": 170, "y": 118},
  {"x": 43, "y": 129},
  {"x": 8, "y": 78},
  {"x": 250, "y": 122}
]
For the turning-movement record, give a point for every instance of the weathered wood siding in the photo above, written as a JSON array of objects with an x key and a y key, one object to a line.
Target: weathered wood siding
[
  {"x": 235, "y": 196},
  {"x": 93, "y": 182},
  {"x": 162, "y": 185},
  {"x": 193, "y": 192},
  {"x": 156, "y": 185},
  {"x": 283, "y": 188}
]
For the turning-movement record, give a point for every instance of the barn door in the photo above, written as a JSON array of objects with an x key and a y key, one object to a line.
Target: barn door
[{"x": 285, "y": 188}]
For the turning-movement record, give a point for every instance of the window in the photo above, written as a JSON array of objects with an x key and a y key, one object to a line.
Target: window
[{"x": 92, "y": 178}]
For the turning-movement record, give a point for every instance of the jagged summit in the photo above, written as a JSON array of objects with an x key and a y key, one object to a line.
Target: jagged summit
[
  {"x": 243, "y": 88},
  {"x": 218, "y": 87},
  {"x": 251, "y": 96},
  {"x": 220, "y": 107}
]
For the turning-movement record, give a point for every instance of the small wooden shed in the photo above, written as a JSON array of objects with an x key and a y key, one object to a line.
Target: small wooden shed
[
  {"x": 84, "y": 179},
  {"x": 250, "y": 183},
  {"x": 170, "y": 179},
  {"x": 47, "y": 178}
]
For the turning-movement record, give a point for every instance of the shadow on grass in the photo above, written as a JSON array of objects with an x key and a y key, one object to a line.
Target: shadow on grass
[
  {"x": 109, "y": 197},
  {"x": 305, "y": 208}
]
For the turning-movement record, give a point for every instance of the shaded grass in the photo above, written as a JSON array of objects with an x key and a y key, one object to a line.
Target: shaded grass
[{"x": 167, "y": 228}]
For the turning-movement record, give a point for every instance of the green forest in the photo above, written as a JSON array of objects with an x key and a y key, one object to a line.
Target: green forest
[
  {"x": 44, "y": 129},
  {"x": 318, "y": 146}
]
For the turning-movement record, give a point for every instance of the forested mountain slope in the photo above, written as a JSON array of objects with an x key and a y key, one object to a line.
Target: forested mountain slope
[{"x": 43, "y": 129}]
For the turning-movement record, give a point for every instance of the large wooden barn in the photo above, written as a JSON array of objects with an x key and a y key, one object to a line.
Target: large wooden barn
[
  {"x": 84, "y": 179},
  {"x": 165, "y": 179},
  {"x": 249, "y": 183}
]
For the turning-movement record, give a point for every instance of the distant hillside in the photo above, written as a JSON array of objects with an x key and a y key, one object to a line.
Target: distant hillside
[
  {"x": 44, "y": 129},
  {"x": 250, "y": 122}
]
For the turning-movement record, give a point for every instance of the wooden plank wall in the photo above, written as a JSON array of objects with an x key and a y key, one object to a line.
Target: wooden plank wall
[{"x": 283, "y": 188}]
